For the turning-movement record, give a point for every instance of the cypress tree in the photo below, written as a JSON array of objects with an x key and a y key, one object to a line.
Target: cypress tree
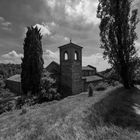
[{"x": 32, "y": 62}]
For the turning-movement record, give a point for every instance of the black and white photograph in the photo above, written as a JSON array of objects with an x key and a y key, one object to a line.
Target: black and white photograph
[{"x": 69, "y": 69}]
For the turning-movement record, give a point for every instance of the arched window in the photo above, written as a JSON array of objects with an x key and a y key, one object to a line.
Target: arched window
[
  {"x": 76, "y": 55},
  {"x": 66, "y": 57}
]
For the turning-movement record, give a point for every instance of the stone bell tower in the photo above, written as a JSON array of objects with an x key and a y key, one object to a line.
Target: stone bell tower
[{"x": 71, "y": 68}]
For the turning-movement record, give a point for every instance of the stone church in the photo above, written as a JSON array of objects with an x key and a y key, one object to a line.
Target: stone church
[
  {"x": 73, "y": 78},
  {"x": 72, "y": 75}
]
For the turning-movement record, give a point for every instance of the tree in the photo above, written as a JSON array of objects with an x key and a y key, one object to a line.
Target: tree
[
  {"x": 32, "y": 62},
  {"x": 117, "y": 32}
]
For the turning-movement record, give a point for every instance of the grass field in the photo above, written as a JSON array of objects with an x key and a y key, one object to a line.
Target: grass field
[{"x": 112, "y": 114}]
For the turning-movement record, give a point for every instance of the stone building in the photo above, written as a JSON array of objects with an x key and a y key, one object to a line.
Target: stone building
[
  {"x": 71, "y": 68},
  {"x": 88, "y": 70},
  {"x": 71, "y": 76},
  {"x": 14, "y": 84}
]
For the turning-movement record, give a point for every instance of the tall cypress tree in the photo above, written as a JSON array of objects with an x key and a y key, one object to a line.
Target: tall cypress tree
[
  {"x": 117, "y": 32},
  {"x": 32, "y": 62}
]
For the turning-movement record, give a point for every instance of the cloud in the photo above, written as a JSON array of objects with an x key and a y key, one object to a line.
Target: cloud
[
  {"x": 44, "y": 29},
  {"x": 136, "y": 4},
  {"x": 1, "y": 19},
  {"x": 12, "y": 57},
  {"x": 95, "y": 60},
  {"x": 5, "y": 25},
  {"x": 85, "y": 9},
  {"x": 74, "y": 10},
  {"x": 137, "y": 45},
  {"x": 49, "y": 56},
  {"x": 51, "y": 3},
  {"x": 12, "y": 54}
]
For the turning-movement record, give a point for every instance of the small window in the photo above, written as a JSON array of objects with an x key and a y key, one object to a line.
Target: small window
[
  {"x": 76, "y": 56},
  {"x": 66, "y": 56}
]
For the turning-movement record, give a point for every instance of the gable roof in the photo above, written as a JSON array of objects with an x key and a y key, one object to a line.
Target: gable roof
[
  {"x": 70, "y": 45},
  {"x": 53, "y": 63},
  {"x": 89, "y": 67},
  {"x": 57, "y": 66},
  {"x": 92, "y": 78},
  {"x": 53, "y": 67},
  {"x": 16, "y": 78}
]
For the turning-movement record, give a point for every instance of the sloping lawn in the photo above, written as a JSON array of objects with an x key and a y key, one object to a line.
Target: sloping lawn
[{"x": 109, "y": 114}]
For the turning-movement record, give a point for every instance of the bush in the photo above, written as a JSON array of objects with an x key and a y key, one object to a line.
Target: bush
[
  {"x": 100, "y": 88},
  {"x": 48, "y": 93},
  {"x": 7, "y": 106},
  {"x": 49, "y": 90}
]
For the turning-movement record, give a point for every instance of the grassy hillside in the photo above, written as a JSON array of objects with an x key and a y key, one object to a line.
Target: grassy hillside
[{"x": 112, "y": 114}]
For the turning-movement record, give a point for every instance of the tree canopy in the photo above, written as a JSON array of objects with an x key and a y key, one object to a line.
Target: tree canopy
[
  {"x": 32, "y": 62},
  {"x": 118, "y": 35}
]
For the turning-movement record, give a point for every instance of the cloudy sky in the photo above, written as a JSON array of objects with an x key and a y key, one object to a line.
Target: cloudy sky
[{"x": 59, "y": 20}]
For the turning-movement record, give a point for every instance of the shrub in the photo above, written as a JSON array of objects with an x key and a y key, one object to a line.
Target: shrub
[
  {"x": 7, "y": 106},
  {"x": 49, "y": 90},
  {"x": 100, "y": 88}
]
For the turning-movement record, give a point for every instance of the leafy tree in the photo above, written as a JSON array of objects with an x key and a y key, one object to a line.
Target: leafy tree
[
  {"x": 32, "y": 62},
  {"x": 117, "y": 32},
  {"x": 49, "y": 89}
]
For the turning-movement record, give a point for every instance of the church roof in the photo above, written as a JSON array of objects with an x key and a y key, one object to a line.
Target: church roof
[
  {"x": 53, "y": 67},
  {"x": 88, "y": 67},
  {"x": 16, "y": 78},
  {"x": 70, "y": 45},
  {"x": 92, "y": 78}
]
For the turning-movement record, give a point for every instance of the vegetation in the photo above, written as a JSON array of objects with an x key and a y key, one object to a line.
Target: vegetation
[
  {"x": 117, "y": 31},
  {"x": 7, "y": 70},
  {"x": 109, "y": 114},
  {"x": 32, "y": 63},
  {"x": 49, "y": 90}
]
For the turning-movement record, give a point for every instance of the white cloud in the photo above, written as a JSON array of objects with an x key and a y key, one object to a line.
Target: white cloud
[
  {"x": 70, "y": 10},
  {"x": 44, "y": 29},
  {"x": 1, "y": 19},
  {"x": 137, "y": 44},
  {"x": 51, "y": 3},
  {"x": 12, "y": 54},
  {"x": 12, "y": 57},
  {"x": 95, "y": 60},
  {"x": 135, "y": 4},
  {"x": 5, "y": 25},
  {"x": 53, "y": 24},
  {"x": 66, "y": 38},
  {"x": 85, "y": 9},
  {"x": 50, "y": 56}
]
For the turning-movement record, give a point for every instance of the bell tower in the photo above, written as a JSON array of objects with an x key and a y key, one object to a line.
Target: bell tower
[{"x": 71, "y": 68}]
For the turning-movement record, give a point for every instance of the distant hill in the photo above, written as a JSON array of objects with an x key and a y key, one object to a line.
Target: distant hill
[
  {"x": 7, "y": 70},
  {"x": 112, "y": 75},
  {"x": 109, "y": 74}
]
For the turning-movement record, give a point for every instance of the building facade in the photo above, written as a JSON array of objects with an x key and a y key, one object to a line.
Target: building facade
[
  {"x": 71, "y": 76},
  {"x": 14, "y": 84},
  {"x": 71, "y": 68}
]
